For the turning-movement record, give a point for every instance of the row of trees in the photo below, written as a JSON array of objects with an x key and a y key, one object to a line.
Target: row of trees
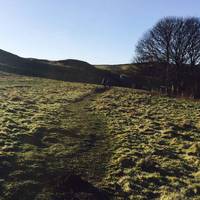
[{"x": 174, "y": 41}]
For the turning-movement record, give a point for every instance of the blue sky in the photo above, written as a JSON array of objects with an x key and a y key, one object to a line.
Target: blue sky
[{"x": 97, "y": 31}]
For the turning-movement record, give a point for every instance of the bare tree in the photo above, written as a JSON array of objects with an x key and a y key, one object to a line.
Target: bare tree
[
  {"x": 172, "y": 40},
  {"x": 193, "y": 46}
]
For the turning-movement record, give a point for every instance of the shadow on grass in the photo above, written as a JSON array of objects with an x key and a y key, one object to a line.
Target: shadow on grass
[{"x": 71, "y": 187}]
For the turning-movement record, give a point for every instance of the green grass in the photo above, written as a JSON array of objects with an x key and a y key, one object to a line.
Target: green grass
[
  {"x": 155, "y": 144},
  {"x": 134, "y": 144},
  {"x": 45, "y": 133}
]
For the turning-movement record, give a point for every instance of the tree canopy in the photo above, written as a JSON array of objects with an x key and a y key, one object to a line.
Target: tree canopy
[{"x": 173, "y": 40}]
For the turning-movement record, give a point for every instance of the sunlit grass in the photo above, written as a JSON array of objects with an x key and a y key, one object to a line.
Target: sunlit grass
[
  {"x": 135, "y": 144},
  {"x": 155, "y": 144}
]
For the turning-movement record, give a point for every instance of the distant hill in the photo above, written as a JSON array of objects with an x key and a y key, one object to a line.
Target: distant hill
[
  {"x": 147, "y": 76},
  {"x": 168, "y": 79},
  {"x": 66, "y": 70},
  {"x": 142, "y": 76}
]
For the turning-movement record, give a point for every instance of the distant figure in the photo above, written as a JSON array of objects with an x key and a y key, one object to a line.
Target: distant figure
[
  {"x": 125, "y": 80},
  {"x": 123, "y": 76},
  {"x": 106, "y": 83},
  {"x": 103, "y": 82}
]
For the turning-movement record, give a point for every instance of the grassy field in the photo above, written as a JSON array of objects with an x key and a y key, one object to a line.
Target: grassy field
[
  {"x": 156, "y": 144},
  {"x": 116, "y": 144}
]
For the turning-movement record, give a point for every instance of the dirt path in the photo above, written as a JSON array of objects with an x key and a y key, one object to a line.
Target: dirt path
[
  {"x": 88, "y": 153},
  {"x": 93, "y": 155},
  {"x": 65, "y": 159}
]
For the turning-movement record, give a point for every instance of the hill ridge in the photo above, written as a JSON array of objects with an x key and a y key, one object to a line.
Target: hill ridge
[{"x": 66, "y": 70}]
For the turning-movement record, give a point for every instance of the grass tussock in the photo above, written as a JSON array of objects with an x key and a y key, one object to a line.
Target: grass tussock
[
  {"x": 155, "y": 144},
  {"x": 131, "y": 144},
  {"x": 45, "y": 133}
]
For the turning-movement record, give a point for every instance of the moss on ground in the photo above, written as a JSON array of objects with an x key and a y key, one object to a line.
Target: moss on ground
[
  {"x": 132, "y": 144},
  {"x": 47, "y": 131},
  {"x": 155, "y": 144}
]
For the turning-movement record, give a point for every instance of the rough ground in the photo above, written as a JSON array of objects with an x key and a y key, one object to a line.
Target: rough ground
[
  {"x": 156, "y": 144},
  {"x": 49, "y": 134},
  {"x": 68, "y": 141}
]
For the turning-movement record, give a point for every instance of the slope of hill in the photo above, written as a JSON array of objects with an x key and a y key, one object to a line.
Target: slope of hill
[
  {"x": 140, "y": 76},
  {"x": 148, "y": 76},
  {"x": 171, "y": 79},
  {"x": 67, "y": 70},
  {"x": 61, "y": 140}
]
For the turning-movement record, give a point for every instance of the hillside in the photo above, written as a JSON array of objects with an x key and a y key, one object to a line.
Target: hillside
[
  {"x": 66, "y": 70},
  {"x": 146, "y": 76},
  {"x": 62, "y": 140},
  {"x": 140, "y": 76},
  {"x": 168, "y": 79}
]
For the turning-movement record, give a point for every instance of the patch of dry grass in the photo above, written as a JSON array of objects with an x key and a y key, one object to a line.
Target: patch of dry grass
[{"x": 155, "y": 144}]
